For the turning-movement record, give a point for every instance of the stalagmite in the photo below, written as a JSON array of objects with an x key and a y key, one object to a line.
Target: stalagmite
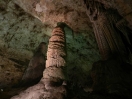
[
  {"x": 53, "y": 74},
  {"x": 52, "y": 84}
]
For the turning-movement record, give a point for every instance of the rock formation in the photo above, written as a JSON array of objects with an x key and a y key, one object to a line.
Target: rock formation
[
  {"x": 21, "y": 31},
  {"x": 52, "y": 84},
  {"x": 34, "y": 71},
  {"x": 111, "y": 34},
  {"x": 112, "y": 77}
]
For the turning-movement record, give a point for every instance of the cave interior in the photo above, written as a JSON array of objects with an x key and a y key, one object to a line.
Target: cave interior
[{"x": 65, "y": 49}]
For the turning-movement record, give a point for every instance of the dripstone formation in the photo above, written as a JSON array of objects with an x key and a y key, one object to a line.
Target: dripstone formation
[
  {"x": 111, "y": 31},
  {"x": 53, "y": 75},
  {"x": 111, "y": 75},
  {"x": 52, "y": 84}
]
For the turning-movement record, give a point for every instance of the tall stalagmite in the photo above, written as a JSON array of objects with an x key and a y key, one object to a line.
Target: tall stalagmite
[
  {"x": 53, "y": 75},
  {"x": 52, "y": 85}
]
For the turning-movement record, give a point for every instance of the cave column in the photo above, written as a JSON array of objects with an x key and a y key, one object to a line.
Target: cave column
[
  {"x": 53, "y": 74},
  {"x": 111, "y": 33}
]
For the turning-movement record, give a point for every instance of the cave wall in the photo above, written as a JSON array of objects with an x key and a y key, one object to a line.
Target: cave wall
[
  {"x": 21, "y": 33},
  {"x": 25, "y": 24}
]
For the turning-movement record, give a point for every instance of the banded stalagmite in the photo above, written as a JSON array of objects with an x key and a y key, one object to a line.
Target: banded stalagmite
[
  {"x": 53, "y": 76},
  {"x": 52, "y": 85}
]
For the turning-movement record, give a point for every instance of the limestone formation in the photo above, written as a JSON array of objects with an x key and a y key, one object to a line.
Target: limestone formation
[
  {"x": 52, "y": 84},
  {"x": 110, "y": 33},
  {"x": 123, "y": 7},
  {"x": 53, "y": 74},
  {"x": 34, "y": 71},
  {"x": 20, "y": 33}
]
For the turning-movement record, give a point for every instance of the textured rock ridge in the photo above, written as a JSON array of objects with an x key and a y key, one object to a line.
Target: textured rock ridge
[
  {"x": 111, "y": 34},
  {"x": 53, "y": 74}
]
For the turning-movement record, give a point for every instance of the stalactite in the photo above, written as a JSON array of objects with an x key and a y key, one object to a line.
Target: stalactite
[{"x": 111, "y": 36}]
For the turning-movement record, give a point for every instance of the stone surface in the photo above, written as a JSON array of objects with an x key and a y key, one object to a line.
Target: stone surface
[
  {"x": 34, "y": 71},
  {"x": 123, "y": 6},
  {"x": 111, "y": 31},
  {"x": 21, "y": 33},
  {"x": 113, "y": 77},
  {"x": 53, "y": 11},
  {"x": 53, "y": 76}
]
